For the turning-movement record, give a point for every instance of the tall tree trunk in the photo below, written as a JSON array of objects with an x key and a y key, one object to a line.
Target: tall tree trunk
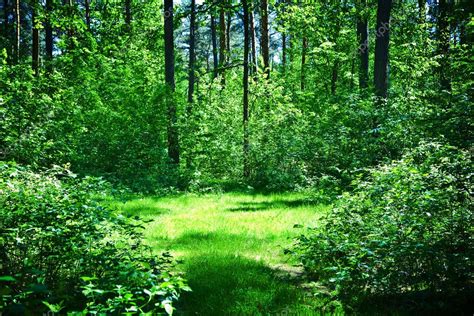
[
  {"x": 214, "y": 46},
  {"x": 17, "y": 31},
  {"x": 35, "y": 40},
  {"x": 254, "y": 66},
  {"x": 192, "y": 53},
  {"x": 88, "y": 14},
  {"x": 444, "y": 44},
  {"x": 363, "y": 37},
  {"x": 6, "y": 28},
  {"x": 334, "y": 76},
  {"x": 381, "y": 48},
  {"x": 128, "y": 14},
  {"x": 222, "y": 42},
  {"x": 48, "y": 36},
  {"x": 303, "y": 62},
  {"x": 264, "y": 36},
  {"x": 173, "y": 145},
  {"x": 229, "y": 24},
  {"x": 246, "y": 166}
]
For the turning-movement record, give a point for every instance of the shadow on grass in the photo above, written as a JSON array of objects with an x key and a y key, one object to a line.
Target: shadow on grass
[
  {"x": 144, "y": 210},
  {"x": 234, "y": 285},
  {"x": 268, "y": 205}
]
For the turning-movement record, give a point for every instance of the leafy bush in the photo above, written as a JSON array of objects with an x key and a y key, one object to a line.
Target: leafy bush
[
  {"x": 63, "y": 251},
  {"x": 406, "y": 229}
]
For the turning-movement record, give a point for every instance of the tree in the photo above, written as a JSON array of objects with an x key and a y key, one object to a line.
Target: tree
[
  {"x": 381, "y": 48},
  {"x": 246, "y": 89},
  {"x": 304, "y": 48},
  {"x": 17, "y": 31},
  {"x": 254, "y": 67},
  {"x": 173, "y": 145},
  {"x": 214, "y": 45},
  {"x": 222, "y": 41},
  {"x": 192, "y": 53},
  {"x": 88, "y": 14},
  {"x": 363, "y": 38},
  {"x": 128, "y": 14},
  {"x": 35, "y": 40},
  {"x": 264, "y": 43}
]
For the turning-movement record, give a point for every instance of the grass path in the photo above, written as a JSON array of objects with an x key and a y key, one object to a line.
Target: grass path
[{"x": 231, "y": 248}]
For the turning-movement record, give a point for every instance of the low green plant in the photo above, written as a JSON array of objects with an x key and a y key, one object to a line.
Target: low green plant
[
  {"x": 407, "y": 228},
  {"x": 62, "y": 251}
]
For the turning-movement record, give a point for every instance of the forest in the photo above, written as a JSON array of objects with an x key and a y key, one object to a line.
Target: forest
[{"x": 236, "y": 157}]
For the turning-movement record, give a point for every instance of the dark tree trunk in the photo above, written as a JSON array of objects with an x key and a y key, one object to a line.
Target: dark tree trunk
[
  {"x": 303, "y": 62},
  {"x": 264, "y": 36},
  {"x": 48, "y": 35},
  {"x": 444, "y": 44},
  {"x": 246, "y": 166},
  {"x": 214, "y": 45},
  {"x": 381, "y": 48},
  {"x": 229, "y": 23},
  {"x": 254, "y": 66},
  {"x": 192, "y": 53},
  {"x": 128, "y": 14},
  {"x": 88, "y": 14},
  {"x": 222, "y": 42},
  {"x": 363, "y": 37},
  {"x": 6, "y": 28},
  {"x": 35, "y": 40},
  {"x": 17, "y": 31},
  {"x": 173, "y": 145}
]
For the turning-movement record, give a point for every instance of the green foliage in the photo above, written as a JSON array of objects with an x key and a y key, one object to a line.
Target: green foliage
[
  {"x": 406, "y": 228},
  {"x": 62, "y": 250}
]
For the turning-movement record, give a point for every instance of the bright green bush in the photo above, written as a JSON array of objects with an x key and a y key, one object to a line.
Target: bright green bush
[
  {"x": 63, "y": 251},
  {"x": 407, "y": 228}
]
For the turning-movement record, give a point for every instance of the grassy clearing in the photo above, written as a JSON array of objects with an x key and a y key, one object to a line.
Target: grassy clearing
[{"x": 231, "y": 247}]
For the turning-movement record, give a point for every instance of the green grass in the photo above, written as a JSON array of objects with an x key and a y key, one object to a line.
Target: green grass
[{"x": 231, "y": 248}]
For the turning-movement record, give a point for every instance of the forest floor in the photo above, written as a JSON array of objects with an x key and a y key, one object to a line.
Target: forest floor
[{"x": 230, "y": 247}]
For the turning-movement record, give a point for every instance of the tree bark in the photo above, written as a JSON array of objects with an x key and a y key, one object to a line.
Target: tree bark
[
  {"x": 422, "y": 12},
  {"x": 192, "y": 53},
  {"x": 264, "y": 36},
  {"x": 222, "y": 42},
  {"x": 381, "y": 48},
  {"x": 246, "y": 167},
  {"x": 35, "y": 40},
  {"x": 363, "y": 37},
  {"x": 48, "y": 35},
  {"x": 229, "y": 22},
  {"x": 173, "y": 145},
  {"x": 214, "y": 45},
  {"x": 17, "y": 31},
  {"x": 254, "y": 67},
  {"x": 128, "y": 15}
]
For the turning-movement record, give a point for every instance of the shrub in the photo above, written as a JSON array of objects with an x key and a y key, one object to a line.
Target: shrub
[
  {"x": 406, "y": 229},
  {"x": 62, "y": 251}
]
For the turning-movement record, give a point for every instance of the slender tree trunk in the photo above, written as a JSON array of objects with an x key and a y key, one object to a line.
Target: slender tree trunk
[
  {"x": 48, "y": 37},
  {"x": 283, "y": 48},
  {"x": 444, "y": 44},
  {"x": 6, "y": 28},
  {"x": 303, "y": 62},
  {"x": 334, "y": 76},
  {"x": 381, "y": 48},
  {"x": 88, "y": 14},
  {"x": 192, "y": 53},
  {"x": 222, "y": 42},
  {"x": 254, "y": 66},
  {"x": 363, "y": 37},
  {"x": 35, "y": 40},
  {"x": 246, "y": 166},
  {"x": 173, "y": 145},
  {"x": 17, "y": 31},
  {"x": 264, "y": 36},
  {"x": 214, "y": 46},
  {"x": 229, "y": 24},
  {"x": 128, "y": 14}
]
